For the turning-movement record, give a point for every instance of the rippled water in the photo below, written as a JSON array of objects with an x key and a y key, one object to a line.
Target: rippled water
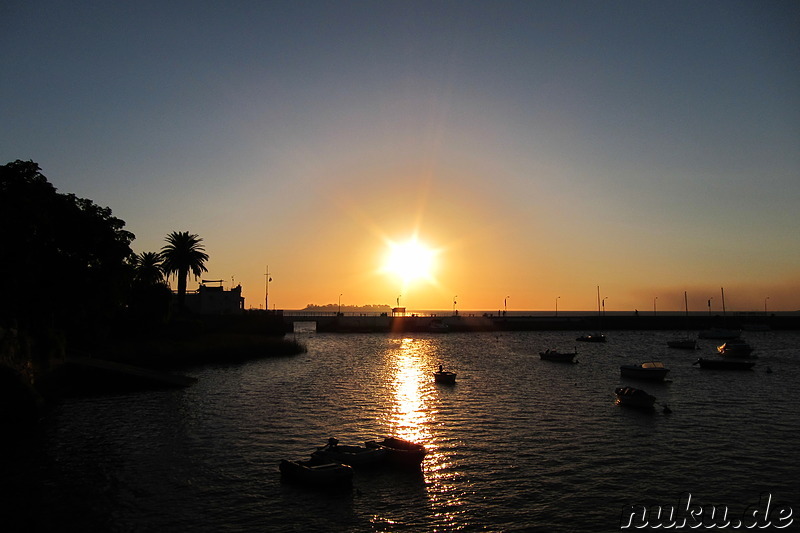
[{"x": 518, "y": 444}]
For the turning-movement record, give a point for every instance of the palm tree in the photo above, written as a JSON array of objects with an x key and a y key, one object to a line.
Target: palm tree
[
  {"x": 183, "y": 253},
  {"x": 147, "y": 267}
]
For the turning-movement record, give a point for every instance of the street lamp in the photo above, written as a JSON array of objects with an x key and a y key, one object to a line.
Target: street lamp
[
  {"x": 604, "y": 305},
  {"x": 454, "y": 304},
  {"x": 655, "y": 313},
  {"x": 505, "y": 305},
  {"x": 765, "y": 305},
  {"x": 557, "y": 297},
  {"x": 709, "y": 305},
  {"x": 340, "y": 304}
]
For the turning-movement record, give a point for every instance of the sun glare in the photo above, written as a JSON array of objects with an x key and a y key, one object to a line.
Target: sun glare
[{"x": 410, "y": 261}]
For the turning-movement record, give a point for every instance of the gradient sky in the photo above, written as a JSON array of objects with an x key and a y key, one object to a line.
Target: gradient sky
[{"x": 543, "y": 148}]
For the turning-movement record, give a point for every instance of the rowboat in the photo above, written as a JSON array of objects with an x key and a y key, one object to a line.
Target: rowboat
[
  {"x": 400, "y": 452},
  {"x": 653, "y": 370},
  {"x": 555, "y": 355},
  {"x": 314, "y": 473},
  {"x": 724, "y": 364},
  {"x": 637, "y": 398}
]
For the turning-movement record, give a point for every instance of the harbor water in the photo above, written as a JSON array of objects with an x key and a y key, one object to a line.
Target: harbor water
[{"x": 517, "y": 444}]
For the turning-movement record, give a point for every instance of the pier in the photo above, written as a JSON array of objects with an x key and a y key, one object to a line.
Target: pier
[{"x": 373, "y": 323}]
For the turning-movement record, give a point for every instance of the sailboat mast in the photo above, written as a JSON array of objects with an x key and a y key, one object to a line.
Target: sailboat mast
[{"x": 722, "y": 290}]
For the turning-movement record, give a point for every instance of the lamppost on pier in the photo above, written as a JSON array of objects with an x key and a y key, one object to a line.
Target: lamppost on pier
[
  {"x": 655, "y": 313},
  {"x": 557, "y": 297},
  {"x": 454, "y": 305},
  {"x": 340, "y": 305},
  {"x": 604, "y": 305},
  {"x": 765, "y": 305},
  {"x": 709, "y": 305},
  {"x": 505, "y": 305}
]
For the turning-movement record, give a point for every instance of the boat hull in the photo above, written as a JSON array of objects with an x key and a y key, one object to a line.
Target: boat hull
[
  {"x": 315, "y": 475},
  {"x": 447, "y": 378},
  {"x": 724, "y": 364},
  {"x": 651, "y": 374},
  {"x": 560, "y": 357},
  {"x": 400, "y": 452},
  {"x": 355, "y": 456},
  {"x": 635, "y": 398}
]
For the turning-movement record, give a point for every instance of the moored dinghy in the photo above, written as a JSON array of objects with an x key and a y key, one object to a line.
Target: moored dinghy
[
  {"x": 631, "y": 397},
  {"x": 724, "y": 364},
  {"x": 443, "y": 376},
  {"x": 555, "y": 355},
  {"x": 314, "y": 473},
  {"x": 400, "y": 452},
  {"x": 356, "y": 456},
  {"x": 652, "y": 370}
]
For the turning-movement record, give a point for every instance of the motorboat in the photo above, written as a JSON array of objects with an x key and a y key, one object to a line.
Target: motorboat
[
  {"x": 555, "y": 355},
  {"x": 400, "y": 452},
  {"x": 355, "y": 456},
  {"x": 724, "y": 364},
  {"x": 736, "y": 348},
  {"x": 445, "y": 377},
  {"x": 652, "y": 370},
  {"x": 631, "y": 397},
  {"x": 594, "y": 337},
  {"x": 316, "y": 473},
  {"x": 683, "y": 344}
]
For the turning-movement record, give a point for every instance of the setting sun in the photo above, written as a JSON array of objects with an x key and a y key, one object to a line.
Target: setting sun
[{"x": 410, "y": 261}]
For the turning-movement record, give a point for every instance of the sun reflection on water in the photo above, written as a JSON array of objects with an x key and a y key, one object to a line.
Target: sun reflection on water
[{"x": 413, "y": 417}]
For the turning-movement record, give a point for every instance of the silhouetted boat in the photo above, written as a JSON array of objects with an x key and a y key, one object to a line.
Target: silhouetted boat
[
  {"x": 555, "y": 355},
  {"x": 594, "y": 337},
  {"x": 400, "y": 452},
  {"x": 736, "y": 348},
  {"x": 630, "y": 397},
  {"x": 315, "y": 473},
  {"x": 357, "y": 456},
  {"x": 442, "y": 376},
  {"x": 652, "y": 370},
  {"x": 724, "y": 364}
]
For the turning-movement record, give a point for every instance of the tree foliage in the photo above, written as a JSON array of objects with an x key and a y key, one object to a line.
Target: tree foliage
[
  {"x": 182, "y": 254},
  {"x": 64, "y": 258}
]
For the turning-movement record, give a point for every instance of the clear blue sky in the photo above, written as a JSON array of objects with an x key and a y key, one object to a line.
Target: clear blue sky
[{"x": 543, "y": 148}]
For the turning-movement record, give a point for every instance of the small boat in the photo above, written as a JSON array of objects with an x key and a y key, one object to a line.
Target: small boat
[
  {"x": 356, "y": 456},
  {"x": 594, "y": 337},
  {"x": 315, "y": 473},
  {"x": 683, "y": 344},
  {"x": 400, "y": 452},
  {"x": 442, "y": 376},
  {"x": 736, "y": 348},
  {"x": 653, "y": 370},
  {"x": 724, "y": 364},
  {"x": 630, "y": 397},
  {"x": 555, "y": 355}
]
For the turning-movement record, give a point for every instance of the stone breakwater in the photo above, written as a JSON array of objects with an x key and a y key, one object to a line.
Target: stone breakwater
[{"x": 483, "y": 323}]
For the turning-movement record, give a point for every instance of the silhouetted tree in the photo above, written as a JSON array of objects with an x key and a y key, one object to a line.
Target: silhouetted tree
[
  {"x": 147, "y": 268},
  {"x": 63, "y": 257},
  {"x": 150, "y": 295},
  {"x": 183, "y": 253}
]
